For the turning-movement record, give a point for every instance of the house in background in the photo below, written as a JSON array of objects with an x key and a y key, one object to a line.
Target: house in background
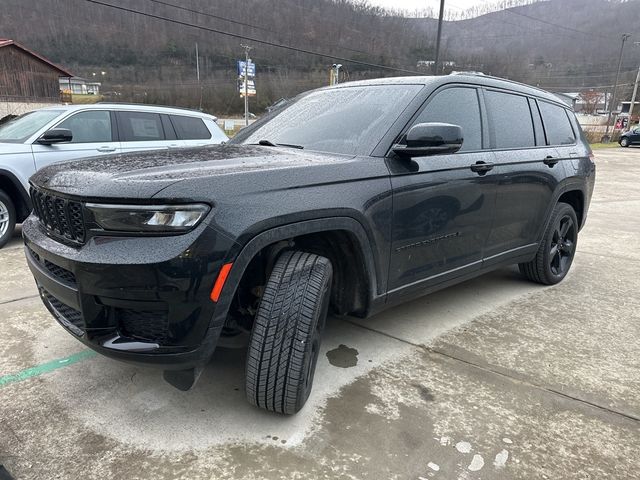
[
  {"x": 588, "y": 102},
  {"x": 27, "y": 80},
  {"x": 79, "y": 86}
]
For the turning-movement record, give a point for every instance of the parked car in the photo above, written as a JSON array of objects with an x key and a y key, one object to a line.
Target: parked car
[
  {"x": 632, "y": 137},
  {"x": 350, "y": 199},
  {"x": 53, "y": 134}
]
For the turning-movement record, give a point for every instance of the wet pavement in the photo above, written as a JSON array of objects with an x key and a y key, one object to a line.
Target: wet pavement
[{"x": 496, "y": 378}]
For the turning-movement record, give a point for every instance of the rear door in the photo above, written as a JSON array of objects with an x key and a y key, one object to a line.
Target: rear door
[
  {"x": 146, "y": 131},
  {"x": 442, "y": 209},
  {"x": 527, "y": 173},
  {"x": 93, "y": 135}
]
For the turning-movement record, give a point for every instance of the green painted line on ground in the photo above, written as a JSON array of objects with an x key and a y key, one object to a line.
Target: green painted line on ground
[{"x": 46, "y": 367}]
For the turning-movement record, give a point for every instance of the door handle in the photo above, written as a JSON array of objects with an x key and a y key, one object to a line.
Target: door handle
[
  {"x": 481, "y": 167},
  {"x": 107, "y": 149},
  {"x": 550, "y": 161},
  {"x": 174, "y": 145}
]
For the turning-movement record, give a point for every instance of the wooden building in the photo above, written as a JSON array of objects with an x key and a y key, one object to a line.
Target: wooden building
[{"x": 27, "y": 77}]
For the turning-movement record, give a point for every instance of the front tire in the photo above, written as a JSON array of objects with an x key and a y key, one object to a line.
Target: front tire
[
  {"x": 285, "y": 340},
  {"x": 555, "y": 254},
  {"x": 624, "y": 142},
  {"x": 7, "y": 218}
]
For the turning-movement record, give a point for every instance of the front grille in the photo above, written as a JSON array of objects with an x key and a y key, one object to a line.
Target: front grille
[
  {"x": 144, "y": 325},
  {"x": 55, "y": 270},
  {"x": 73, "y": 317},
  {"x": 59, "y": 216}
]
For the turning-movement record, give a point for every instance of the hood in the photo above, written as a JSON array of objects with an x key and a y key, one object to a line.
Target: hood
[{"x": 142, "y": 175}]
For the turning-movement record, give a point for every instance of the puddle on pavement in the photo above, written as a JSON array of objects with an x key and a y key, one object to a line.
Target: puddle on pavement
[{"x": 343, "y": 357}]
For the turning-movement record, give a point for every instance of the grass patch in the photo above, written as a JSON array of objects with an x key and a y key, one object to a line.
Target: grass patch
[{"x": 596, "y": 146}]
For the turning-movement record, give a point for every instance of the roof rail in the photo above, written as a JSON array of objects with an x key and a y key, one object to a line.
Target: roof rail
[
  {"x": 484, "y": 75},
  {"x": 151, "y": 105}
]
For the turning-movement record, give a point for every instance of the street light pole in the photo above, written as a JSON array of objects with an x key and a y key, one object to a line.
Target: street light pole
[
  {"x": 606, "y": 138},
  {"x": 437, "y": 59}
]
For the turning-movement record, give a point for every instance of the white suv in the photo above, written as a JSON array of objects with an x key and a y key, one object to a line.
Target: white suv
[{"x": 54, "y": 134}]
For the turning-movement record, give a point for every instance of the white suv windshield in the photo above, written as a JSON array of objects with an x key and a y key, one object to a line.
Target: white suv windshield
[{"x": 22, "y": 127}]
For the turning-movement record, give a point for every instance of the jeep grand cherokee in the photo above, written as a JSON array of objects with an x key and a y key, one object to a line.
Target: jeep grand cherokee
[{"x": 347, "y": 199}]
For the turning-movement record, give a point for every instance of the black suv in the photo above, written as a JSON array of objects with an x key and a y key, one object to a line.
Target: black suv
[
  {"x": 632, "y": 137},
  {"x": 350, "y": 199}
]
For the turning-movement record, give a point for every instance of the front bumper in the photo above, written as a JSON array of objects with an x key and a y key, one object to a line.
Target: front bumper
[{"x": 138, "y": 299}]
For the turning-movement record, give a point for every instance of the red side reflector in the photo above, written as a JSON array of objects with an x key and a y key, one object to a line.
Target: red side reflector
[{"x": 222, "y": 277}]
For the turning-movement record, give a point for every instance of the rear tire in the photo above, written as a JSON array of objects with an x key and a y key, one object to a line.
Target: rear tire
[
  {"x": 555, "y": 254},
  {"x": 624, "y": 142},
  {"x": 7, "y": 218},
  {"x": 285, "y": 340}
]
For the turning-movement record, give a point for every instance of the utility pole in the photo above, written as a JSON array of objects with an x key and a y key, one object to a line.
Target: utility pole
[
  {"x": 246, "y": 83},
  {"x": 197, "y": 64},
  {"x": 437, "y": 60},
  {"x": 198, "y": 75},
  {"x": 612, "y": 104},
  {"x": 633, "y": 98},
  {"x": 635, "y": 91}
]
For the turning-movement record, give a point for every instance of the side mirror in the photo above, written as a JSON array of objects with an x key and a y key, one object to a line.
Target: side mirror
[
  {"x": 55, "y": 135},
  {"x": 430, "y": 139}
]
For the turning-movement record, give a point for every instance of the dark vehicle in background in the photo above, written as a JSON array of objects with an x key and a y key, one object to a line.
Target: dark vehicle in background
[
  {"x": 632, "y": 137},
  {"x": 349, "y": 199}
]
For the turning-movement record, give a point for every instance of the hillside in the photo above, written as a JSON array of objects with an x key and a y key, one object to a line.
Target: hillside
[{"x": 560, "y": 44}]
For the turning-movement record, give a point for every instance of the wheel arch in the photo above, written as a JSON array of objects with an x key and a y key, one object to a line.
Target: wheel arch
[
  {"x": 12, "y": 186},
  {"x": 576, "y": 199},
  {"x": 342, "y": 239}
]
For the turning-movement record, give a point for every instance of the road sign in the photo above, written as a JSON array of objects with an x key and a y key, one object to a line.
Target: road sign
[
  {"x": 251, "y": 87},
  {"x": 251, "y": 71}
]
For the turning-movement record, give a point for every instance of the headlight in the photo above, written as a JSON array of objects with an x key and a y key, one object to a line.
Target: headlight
[{"x": 148, "y": 218}]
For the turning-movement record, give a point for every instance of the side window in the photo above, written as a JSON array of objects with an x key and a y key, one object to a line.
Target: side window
[
  {"x": 458, "y": 106},
  {"x": 190, "y": 128},
  {"x": 89, "y": 127},
  {"x": 556, "y": 124},
  {"x": 140, "y": 126},
  {"x": 510, "y": 120}
]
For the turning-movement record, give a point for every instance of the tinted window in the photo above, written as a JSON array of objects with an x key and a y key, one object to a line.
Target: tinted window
[
  {"x": 458, "y": 106},
  {"x": 349, "y": 120},
  {"x": 89, "y": 127},
  {"x": 140, "y": 126},
  {"x": 190, "y": 128},
  {"x": 556, "y": 124},
  {"x": 511, "y": 122}
]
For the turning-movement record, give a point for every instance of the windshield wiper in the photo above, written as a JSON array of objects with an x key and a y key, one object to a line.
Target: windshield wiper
[{"x": 269, "y": 143}]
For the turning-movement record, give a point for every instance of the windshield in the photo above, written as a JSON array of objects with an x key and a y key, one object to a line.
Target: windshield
[
  {"x": 22, "y": 127},
  {"x": 349, "y": 120}
]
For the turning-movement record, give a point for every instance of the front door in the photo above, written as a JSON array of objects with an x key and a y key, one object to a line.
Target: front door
[
  {"x": 442, "y": 204},
  {"x": 92, "y": 136}
]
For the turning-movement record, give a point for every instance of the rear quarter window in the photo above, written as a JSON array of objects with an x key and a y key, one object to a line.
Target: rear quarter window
[
  {"x": 190, "y": 128},
  {"x": 556, "y": 124}
]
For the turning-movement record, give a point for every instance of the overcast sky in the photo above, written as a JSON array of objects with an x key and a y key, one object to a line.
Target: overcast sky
[{"x": 412, "y": 5}]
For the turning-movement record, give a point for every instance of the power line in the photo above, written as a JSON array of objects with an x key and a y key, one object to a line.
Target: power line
[
  {"x": 253, "y": 39},
  {"x": 244, "y": 24},
  {"x": 577, "y": 87},
  {"x": 564, "y": 27}
]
